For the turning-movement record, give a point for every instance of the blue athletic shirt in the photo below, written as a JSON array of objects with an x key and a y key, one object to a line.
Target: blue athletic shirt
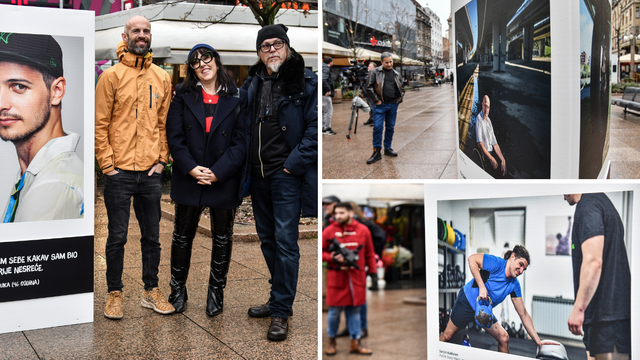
[{"x": 498, "y": 286}]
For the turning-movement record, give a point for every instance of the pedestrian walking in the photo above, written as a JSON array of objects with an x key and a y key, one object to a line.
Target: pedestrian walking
[
  {"x": 327, "y": 95},
  {"x": 346, "y": 284}
]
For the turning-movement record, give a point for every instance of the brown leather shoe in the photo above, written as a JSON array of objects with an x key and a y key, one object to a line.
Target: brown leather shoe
[
  {"x": 357, "y": 349},
  {"x": 331, "y": 349}
]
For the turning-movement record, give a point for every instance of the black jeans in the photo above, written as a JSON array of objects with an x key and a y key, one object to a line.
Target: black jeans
[{"x": 146, "y": 192}]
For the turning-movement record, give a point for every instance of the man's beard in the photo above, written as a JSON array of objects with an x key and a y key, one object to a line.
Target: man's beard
[
  {"x": 41, "y": 120},
  {"x": 274, "y": 66},
  {"x": 133, "y": 47},
  {"x": 344, "y": 221}
]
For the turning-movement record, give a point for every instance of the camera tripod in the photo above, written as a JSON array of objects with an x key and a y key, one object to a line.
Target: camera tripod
[{"x": 355, "y": 108}]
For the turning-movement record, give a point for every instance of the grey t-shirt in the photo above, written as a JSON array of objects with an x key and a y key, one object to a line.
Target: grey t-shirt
[{"x": 595, "y": 215}]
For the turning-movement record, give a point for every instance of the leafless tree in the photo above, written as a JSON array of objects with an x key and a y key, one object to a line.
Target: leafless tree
[
  {"x": 404, "y": 26},
  {"x": 265, "y": 11}
]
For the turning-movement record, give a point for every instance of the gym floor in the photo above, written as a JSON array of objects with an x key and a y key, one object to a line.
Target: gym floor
[{"x": 517, "y": 346}]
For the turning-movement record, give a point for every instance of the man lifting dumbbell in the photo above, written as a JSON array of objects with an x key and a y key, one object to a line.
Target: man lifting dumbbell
[{"x": 493, "y": 279}]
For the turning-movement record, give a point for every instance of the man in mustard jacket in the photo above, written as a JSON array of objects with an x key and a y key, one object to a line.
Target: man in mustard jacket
[{"x": 132, "y": 101}]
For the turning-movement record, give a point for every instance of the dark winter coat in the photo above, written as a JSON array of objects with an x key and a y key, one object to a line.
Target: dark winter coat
[
  {"x": 348, "y": 287},
  {"x": 224, "y": 152},
  {"x": 298, "y": 118},
  {"x": 327, "y": 80}
]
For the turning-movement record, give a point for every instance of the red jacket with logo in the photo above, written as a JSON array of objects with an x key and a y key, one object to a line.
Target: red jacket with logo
[{"x": 347, "y": 287}]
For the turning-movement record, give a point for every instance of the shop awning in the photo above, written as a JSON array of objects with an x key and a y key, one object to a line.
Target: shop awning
[
  {"x": 627, "y": 58},
  {"x": 333, "y": 50},
  {"x": 364, "y": 54},
  {"x": 411, "y": 62},
  {"x": 172, "y": 41}
]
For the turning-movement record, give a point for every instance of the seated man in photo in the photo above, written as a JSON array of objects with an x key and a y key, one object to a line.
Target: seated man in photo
[
  {"x": 487, "y": 143},
  {"x": 49, "y": 184}
]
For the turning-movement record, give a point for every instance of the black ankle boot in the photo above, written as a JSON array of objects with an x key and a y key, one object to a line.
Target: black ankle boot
[
  {"x": 222, "y": 225},
  {"x": 180, "y": 263},
  {"x": 375, "y": 156}
]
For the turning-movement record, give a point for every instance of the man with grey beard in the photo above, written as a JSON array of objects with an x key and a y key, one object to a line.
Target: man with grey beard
[
  {"x": 132, "y": 101},
  {"x": 282, "y": 164},
  {"x": 49, "y": 184}
]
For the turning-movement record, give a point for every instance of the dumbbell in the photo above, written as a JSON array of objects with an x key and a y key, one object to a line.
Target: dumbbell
[
  {"x": 451, "y": 276},
  {"x": 506, "y": 327},
  {"x": 512, "y": 330},
  {"x": 457, "y": 276}
]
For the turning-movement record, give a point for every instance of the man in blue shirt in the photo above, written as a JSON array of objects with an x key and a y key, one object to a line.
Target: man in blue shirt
[{"x": 495, "y": 278}]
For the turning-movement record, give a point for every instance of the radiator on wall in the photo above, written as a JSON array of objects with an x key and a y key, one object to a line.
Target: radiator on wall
[{"x": 550, "y": 317}]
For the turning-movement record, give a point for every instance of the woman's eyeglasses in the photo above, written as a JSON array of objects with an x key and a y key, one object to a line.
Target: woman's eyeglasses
[{"x": 206, "y": 58}]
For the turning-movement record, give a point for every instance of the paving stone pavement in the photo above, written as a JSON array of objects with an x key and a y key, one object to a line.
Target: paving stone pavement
[
  {"x": 624, "y": 146},
  {"x": 425, "y": 139},
  {"x": 144, "y": 334},
  {"x": 396, "y": 330}
]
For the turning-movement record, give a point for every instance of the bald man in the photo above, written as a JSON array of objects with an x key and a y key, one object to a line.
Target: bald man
[
  {"x": 601, "y": 278},
  {"x": 487, "y": 143},
  {"x": 132, "y": 100}
]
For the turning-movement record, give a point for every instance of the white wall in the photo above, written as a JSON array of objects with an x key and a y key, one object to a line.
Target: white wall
[{"x": 536, "y": 280}]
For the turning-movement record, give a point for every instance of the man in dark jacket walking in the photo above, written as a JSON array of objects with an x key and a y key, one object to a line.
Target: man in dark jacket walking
[
  {"x": 327, "y": 94},
  {"x": 282, "y": 163},
  {"x": 384, "y": 88}
]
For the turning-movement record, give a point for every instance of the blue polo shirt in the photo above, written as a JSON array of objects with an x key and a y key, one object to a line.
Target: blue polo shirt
[{"x": 498, "y": 286}]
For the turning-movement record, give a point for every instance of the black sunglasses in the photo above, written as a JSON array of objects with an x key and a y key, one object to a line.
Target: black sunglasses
[{"x": 206, "y": 58}]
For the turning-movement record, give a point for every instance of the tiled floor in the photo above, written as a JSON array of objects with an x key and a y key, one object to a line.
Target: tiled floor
[
  {"x": 143, "y": 334},
  {"x": 425, "y": 139},
  {"x": 396, "y": 330}
]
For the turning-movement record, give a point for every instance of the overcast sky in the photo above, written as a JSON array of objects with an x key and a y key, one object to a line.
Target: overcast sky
[{"x": 442, "y": 8}]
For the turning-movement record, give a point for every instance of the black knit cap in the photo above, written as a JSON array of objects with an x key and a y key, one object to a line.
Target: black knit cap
[
  {"x": 40, "y": 51},
  {"x": 272, "y": 31}
]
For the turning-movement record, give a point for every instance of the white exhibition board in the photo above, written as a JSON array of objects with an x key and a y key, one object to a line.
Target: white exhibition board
[
  {"x": 482, "y": 192},
  {"x": 73, "y": 30},
  {"x": 541, "y": 139}
]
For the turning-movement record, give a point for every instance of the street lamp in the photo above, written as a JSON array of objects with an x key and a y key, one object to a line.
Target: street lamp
[{"x": 632, "y": 36}]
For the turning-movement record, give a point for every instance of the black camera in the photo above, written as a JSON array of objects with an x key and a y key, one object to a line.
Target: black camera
[
  {"x": 356, "y": 73},
  {"x": 350, "y": 256}
]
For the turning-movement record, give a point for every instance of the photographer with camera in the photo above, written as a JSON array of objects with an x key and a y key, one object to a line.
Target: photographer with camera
[
  {"x": 346, "y": 285},
  {"x": 384, "y": 88},
  {"x": 371, "y": 66},
  {"x": 327, "y": 94}
]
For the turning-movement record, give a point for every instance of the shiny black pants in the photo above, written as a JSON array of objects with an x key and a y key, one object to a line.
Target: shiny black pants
[{"x": 185, "y": 226}]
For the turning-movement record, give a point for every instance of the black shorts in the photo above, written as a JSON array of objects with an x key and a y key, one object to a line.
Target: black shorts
[
  {"x": 600, "y": 337},
  {"x": 462, "y": 313}
]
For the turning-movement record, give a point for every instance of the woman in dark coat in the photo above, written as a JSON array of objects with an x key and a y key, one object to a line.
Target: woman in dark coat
[{"x": 205, "y": 131}]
